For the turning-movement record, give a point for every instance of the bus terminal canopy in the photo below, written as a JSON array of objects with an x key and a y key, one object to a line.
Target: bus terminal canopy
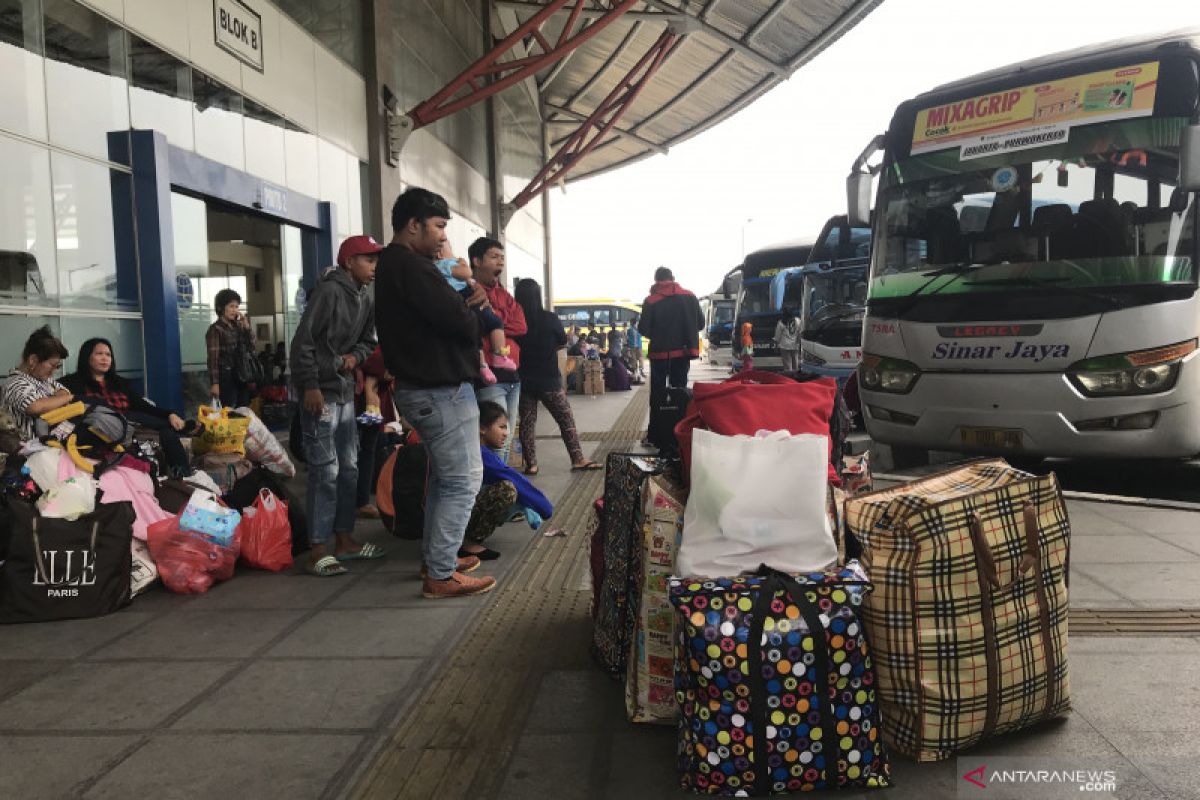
[{"x": 620, "y": 80}]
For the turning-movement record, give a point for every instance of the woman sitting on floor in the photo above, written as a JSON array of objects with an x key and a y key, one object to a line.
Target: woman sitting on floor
[{"x": 95, "y": 378}]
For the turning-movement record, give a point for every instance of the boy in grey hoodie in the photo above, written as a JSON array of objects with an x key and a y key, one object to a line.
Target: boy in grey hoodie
[{"x": 335, "y": 335}]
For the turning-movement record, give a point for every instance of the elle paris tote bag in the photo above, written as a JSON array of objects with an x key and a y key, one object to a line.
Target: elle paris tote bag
[
  {"x": 775, "y": 683},
  {"x": 968, "y": 620},
  {"x": 67, "y": 569}
]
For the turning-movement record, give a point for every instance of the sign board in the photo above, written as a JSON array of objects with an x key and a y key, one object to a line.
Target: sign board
[
  {"x": 272, "y": 199},
  {"x": 1035, "y": 115},
  {"x": 238, "y": 31}
]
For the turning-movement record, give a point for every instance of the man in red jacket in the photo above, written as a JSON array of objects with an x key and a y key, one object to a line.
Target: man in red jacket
[
  {"x": 487, "y": 265},
  {"x": 671, "y": 320}
]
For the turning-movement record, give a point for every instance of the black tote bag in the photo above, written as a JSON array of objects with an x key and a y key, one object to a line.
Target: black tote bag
[{"x": 62, "y": 569}]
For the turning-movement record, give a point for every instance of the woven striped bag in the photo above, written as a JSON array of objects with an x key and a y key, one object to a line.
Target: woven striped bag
[{"x": 968, "y": 620}]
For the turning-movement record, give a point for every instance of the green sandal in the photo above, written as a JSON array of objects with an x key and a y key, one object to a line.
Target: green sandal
[
  {"x": 326, "y": 567},
  {"x": 368, "y": 552}
]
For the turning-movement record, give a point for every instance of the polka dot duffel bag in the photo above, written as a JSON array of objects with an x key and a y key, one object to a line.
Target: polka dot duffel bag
[{"x": 775, "y": 684}]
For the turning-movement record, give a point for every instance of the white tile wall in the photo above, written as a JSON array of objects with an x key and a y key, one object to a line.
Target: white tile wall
[
  {"x": 293, "y": 91},
  {"x": 114, "y": 8}
]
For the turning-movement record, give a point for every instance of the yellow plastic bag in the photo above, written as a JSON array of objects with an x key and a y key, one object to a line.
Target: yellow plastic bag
[{"x": 224, "y": 432}]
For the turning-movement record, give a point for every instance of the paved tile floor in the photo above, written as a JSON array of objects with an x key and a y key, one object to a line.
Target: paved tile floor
[{"x": 286, "y": 686}]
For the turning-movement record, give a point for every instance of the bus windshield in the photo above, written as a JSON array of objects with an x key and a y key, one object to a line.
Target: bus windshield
[
  {"x": 723, "y": 313},
  {"x": 756, "y": 296},
  {"x": 1096, "y": 212}
]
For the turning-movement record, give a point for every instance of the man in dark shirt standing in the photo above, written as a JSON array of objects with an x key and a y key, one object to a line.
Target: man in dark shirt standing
[
  {"x": 430, "y": 342},
  {"x": 671, "y": 319}
]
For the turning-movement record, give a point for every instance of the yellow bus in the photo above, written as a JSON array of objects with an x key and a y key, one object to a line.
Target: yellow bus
[{"x": 596, "y": 314}]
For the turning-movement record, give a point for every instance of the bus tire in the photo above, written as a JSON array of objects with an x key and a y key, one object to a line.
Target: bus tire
[{"x": 907, "y": 457}]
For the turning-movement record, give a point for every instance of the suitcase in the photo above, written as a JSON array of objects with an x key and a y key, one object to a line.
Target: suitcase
[
  {"x": 617, "y": 594},
  {"x": 751, "y": 658},
  {"x": 968, "y": 620},
  {"x": 669, "y": 410}
]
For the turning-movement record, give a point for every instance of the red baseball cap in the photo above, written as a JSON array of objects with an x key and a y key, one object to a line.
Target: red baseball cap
[{"x": 357, "y": 246}]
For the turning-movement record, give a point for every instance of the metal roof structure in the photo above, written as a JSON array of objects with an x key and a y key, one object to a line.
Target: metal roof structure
[{"x": 620, "y": 80}]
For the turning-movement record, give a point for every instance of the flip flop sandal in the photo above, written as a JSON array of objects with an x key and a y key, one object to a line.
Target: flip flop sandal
[
  {"x": 369, "y": 552},
  {"x": 531, "y": 470},
  {"x": 326, "y": 567},
  {"x": 591, "y": 465}
]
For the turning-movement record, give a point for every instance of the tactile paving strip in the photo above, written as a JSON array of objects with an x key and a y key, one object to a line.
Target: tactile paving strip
[
  {"x": 456, "y": 740},
  {"x": 1156, "y": 622}
]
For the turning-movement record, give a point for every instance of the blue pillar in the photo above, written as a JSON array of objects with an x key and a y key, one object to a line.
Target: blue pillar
[{"x": 156, "y": 267}]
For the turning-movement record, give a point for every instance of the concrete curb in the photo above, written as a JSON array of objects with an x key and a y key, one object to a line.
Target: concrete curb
[{"x": 1089, "y": 497}]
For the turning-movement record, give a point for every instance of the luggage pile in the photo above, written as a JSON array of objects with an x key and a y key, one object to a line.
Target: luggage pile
[
  {"x": 89, "y": 520},
  {"x": 797, "y": 626}
]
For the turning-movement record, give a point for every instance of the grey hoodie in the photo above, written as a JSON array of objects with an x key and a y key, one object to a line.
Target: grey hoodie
[{"x": 338, "y": 320}]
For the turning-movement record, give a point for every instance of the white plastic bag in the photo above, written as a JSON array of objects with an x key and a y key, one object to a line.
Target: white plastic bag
[
  {"x": 69, "y": 499},
  {"x": 756, "y": 500}
]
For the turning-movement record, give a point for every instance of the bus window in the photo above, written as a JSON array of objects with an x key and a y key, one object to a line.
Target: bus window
[{"x": 602, "y": 316}]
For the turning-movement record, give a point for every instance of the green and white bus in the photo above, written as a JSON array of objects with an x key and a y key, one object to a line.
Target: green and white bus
[{"x": 1033, "y": 283}]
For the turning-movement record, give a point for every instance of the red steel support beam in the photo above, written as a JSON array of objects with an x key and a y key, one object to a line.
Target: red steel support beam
[
  {"x": 503, "y": 74},
  {"x": 593, "y": 130}
]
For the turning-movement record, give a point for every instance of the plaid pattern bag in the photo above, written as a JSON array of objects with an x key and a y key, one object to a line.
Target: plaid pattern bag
[{"x": 968, "y": 620}]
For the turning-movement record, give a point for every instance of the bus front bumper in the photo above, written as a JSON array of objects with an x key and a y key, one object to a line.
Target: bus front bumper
[{"x": 1035, "y": 414}]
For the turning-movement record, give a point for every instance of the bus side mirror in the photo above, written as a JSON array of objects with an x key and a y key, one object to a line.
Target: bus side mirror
[
  {"x": 1189, "y": 158},
  {"x": 858, "y": 197}
]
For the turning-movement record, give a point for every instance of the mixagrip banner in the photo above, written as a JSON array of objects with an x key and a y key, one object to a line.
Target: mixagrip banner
[{"x": 1035, "y": 115}]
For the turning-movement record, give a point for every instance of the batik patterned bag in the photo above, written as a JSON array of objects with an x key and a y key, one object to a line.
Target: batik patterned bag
[
  {"x": 617, "y": 596},
  {"x": 968, "y": 620},
  {"x": 767, "y": 706}
]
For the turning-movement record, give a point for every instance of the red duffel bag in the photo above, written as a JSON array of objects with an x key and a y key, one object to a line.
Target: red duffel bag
[{"x": 757, "y": 400}]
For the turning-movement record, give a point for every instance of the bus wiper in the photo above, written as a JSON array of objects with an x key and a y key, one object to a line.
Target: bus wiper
[
  {"x": 823, "y": 319},
  {"x": 952, "y": 269}
]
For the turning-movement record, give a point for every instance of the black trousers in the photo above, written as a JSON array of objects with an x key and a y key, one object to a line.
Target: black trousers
[{"x": 667, "y": 372}]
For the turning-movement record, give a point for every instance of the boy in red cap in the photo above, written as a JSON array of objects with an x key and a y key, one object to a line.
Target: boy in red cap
[{"x": 335, "y": 335}]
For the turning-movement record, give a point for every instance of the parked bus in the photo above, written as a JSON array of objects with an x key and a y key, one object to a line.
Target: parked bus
[
  {"x": 829, "y": 297},
  {"x": 597, "y": 315},
  {"x": 755, "y": 303},
  {"x": 1033, "y": 285}
]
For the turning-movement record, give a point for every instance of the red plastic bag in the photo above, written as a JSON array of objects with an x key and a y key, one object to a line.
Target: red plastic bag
[
  {"x": 752, "y": 401},
  {"x": 189, "y": 562},
  {"x": 266, "y": 534}
]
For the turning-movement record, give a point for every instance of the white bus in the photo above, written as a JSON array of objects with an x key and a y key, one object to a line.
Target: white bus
[{"x": 1033, "y": 286}]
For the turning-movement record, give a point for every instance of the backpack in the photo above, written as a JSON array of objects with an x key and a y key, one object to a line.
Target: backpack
[{"x": 402, "y": 479}]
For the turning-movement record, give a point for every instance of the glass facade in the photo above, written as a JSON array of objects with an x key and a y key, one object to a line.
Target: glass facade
[{"x": 72, "y": 82}]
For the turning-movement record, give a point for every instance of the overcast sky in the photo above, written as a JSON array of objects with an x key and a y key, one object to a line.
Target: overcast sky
[{"x": 777, "y": 170}]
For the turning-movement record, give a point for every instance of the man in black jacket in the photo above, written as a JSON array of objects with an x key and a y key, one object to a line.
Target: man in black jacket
[
  {"x": 430, "y": 340},
  {"x": 671, "y": 320}
]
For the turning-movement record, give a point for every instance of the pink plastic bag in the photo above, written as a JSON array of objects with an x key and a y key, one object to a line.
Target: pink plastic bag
[
  {"x": 266, "y": 534},
  {"x": 188, "y": 562}
]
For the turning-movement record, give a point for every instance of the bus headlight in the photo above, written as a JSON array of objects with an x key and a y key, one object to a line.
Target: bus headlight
[
  {"x": 887, "y": 374},
  {"x": 1139, "y": 372}
]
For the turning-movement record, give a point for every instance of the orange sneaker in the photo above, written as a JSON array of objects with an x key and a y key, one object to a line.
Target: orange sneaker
[
  {"x": 457, "y": 585},
  {"x": 465, "y": 564}
]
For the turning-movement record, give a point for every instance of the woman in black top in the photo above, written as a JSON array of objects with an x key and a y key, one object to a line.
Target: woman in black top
[
  {"x": 540, "y": 379},
  {"x": 95, "y": 378}
]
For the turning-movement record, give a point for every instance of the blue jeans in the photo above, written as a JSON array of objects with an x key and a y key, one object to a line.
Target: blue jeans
[
  {"x": 331, "y": 450},
  {"x": 447, "y": 420},
  {"x": 508, "y": 395}
]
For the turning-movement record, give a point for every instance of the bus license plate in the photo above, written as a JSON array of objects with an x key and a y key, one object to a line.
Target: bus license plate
[{"x": 992, "y": 438}]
